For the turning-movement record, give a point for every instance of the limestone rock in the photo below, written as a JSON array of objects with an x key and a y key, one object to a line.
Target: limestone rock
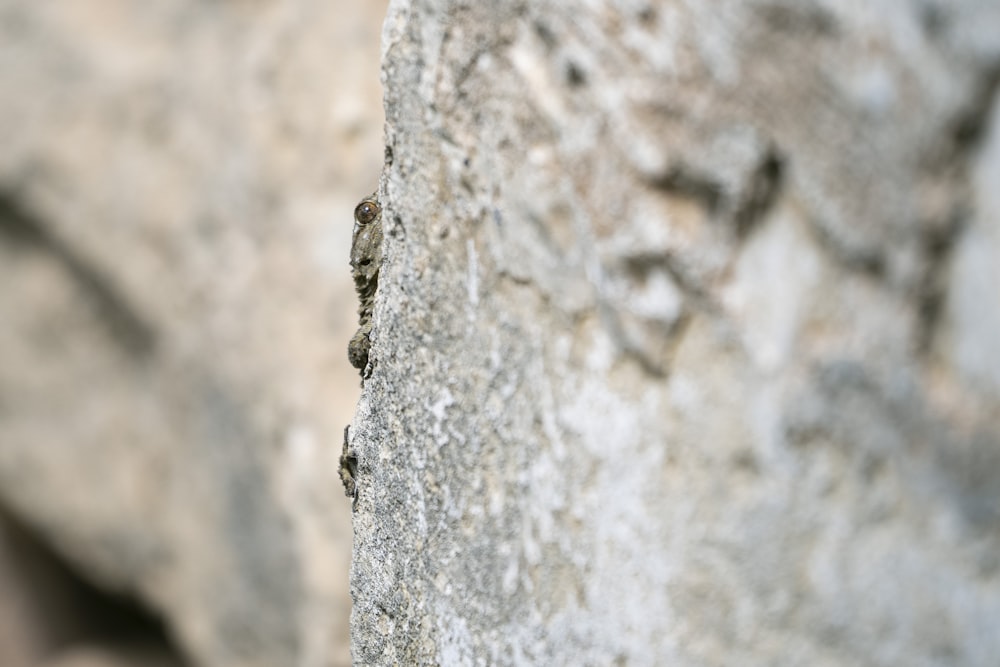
[{"x": 685, "y": 347}]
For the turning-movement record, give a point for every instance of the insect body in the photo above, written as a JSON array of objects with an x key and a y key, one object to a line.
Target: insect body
[{"x": 366, "y": 261}]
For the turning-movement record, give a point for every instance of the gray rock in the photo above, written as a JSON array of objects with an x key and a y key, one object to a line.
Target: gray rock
[{"x": 683, "y": 349}]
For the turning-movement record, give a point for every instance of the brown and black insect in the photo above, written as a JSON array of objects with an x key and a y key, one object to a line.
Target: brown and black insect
[{"x": 366, "y": 262}]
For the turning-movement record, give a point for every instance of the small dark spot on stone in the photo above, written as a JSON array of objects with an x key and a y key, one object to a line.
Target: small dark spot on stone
[
  {"x": 575, "y": 76},
  {"x": 697, "y": 185},
  {"x": 747, "y": 462},
  {"x": 545, "y": 34},
  {"x": 647, "y": 15},
  {"x": 935, "y": 20},
  {"x": 764, "y": 187},
  {"x": 397, "y": 230}
]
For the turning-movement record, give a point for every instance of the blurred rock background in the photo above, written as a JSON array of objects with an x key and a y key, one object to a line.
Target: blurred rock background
[{"x": 176, "y": 187}]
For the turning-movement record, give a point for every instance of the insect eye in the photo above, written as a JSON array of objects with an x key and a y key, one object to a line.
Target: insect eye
[{"x": 366, "y": 212}]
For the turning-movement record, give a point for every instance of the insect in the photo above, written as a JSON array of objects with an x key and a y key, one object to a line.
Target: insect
[
  {"x": 348, "y": 468},
  {"x": 366, "y": 262}
]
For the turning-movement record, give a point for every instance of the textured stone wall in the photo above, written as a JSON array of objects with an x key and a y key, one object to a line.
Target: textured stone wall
[{"x": 687, "y": 340}]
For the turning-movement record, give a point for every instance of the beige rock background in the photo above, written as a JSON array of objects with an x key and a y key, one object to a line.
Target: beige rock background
[{"x": 176, "y": 188}]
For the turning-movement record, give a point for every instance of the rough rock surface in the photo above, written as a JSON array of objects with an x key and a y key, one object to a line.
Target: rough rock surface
[
  {"x": 686, "y": 348},
  {"x": 176, "y": 188}
]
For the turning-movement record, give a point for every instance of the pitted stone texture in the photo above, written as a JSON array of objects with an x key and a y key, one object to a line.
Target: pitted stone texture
[{"x": 668, "y": 358}]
